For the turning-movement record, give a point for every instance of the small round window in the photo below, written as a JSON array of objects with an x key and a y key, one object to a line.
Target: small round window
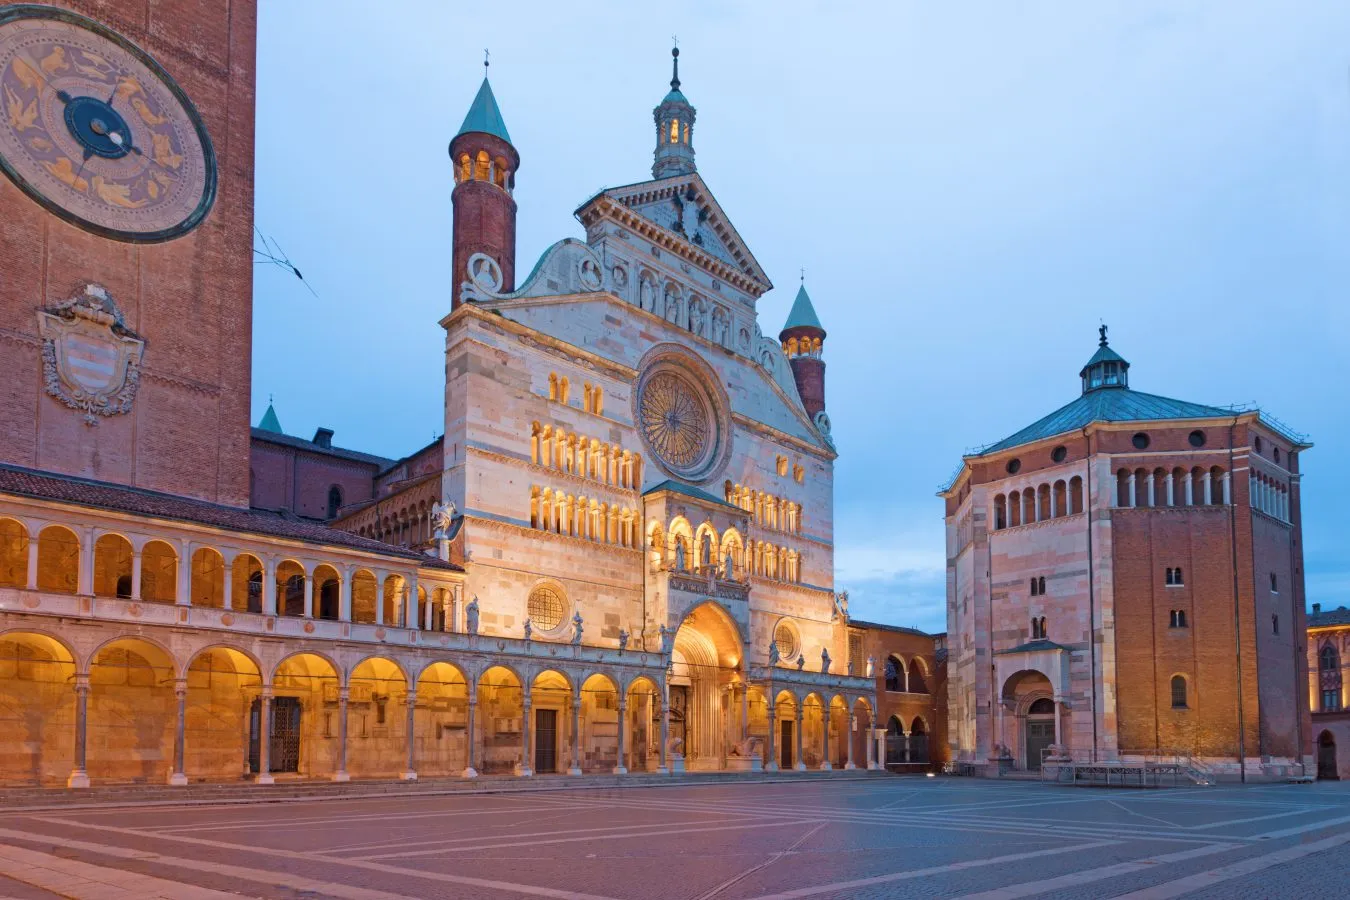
[
  {"x": 1058, "y": 454},
  {"x": 786, "y": 639},
  {"x": 546, "y": 608},
  {"x": 1197, "y": 438},
  {"x": 1140, "y": 441},
  {"x": 1013, "y": 466}
]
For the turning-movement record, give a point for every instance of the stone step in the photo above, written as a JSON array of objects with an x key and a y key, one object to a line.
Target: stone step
[{"x": 35, "y": 798}]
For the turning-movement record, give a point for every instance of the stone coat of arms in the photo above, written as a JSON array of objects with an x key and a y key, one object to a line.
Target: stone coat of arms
[{"x": 91, "y": 361}]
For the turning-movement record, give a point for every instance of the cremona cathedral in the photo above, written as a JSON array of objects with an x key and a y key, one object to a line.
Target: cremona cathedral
[{"x": 618, "y": 558}]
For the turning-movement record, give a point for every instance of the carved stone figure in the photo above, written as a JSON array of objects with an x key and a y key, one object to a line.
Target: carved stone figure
[
  {"x": 750, "y": 747},
  {"x": 441, "y": 517},
  {"x": 774, "y": 656},
  {"x": 679, "y": 555},
  {"x": 825, "y": 660},
  {"x": 623, "y": 639},
  {"x": 666, "y": 635},
  {"x": 675, "y": 748},
  {"x": 849, "y": 668},
  {"x": 871, "y": 667},
  {"x": 471, "y": 615},
  {"x": 706, "y": 554},
  {"x": 801, "y": 663},
  {"x": 647, "y": 295},
  {"x": 529, "y": 629},
  {"x": 576, "y": 626},
  {"x": 696, "y": 317}
]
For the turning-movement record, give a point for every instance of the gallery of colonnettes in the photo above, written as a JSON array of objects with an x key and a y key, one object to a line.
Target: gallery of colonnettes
[{"x": 618, "y": 558}]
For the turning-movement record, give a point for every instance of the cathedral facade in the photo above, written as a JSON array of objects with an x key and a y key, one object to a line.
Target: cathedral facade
[
  {"x": 618, "y": 558},
  {"x": 1125, "y": 585}
]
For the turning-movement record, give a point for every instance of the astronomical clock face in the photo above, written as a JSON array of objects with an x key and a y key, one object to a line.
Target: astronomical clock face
[{"x": 93, "y": 129}]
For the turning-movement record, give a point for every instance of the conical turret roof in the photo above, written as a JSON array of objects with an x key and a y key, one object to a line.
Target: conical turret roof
[
  {"x": 484, "y": 115},
  {"x": 270, "y": 422},
  {"x": 803, "y": 313}
]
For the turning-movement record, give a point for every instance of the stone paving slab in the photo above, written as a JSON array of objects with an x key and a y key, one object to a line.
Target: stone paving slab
[{"x": 885, "y": 837}]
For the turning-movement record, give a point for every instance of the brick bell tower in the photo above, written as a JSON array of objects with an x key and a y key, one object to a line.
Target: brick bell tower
[
  {"x": 803, "y": 339},
  {"x": 485, "y": 213}
]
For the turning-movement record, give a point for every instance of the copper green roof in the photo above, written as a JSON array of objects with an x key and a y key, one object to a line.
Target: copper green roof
[
  {"x": 688, "y": 491},
  {"x": 802, "y": 314},
  {"x": 1114, "y": 405},
  {"x": 484, "y": 116},
  {"x": 1104, "y": 354},
  {"x": 270, "y": 422}
]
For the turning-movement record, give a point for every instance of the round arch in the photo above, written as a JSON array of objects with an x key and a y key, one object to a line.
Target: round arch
[
  {"x": 37, "y": 708},
  {"x": 441, "y": 728},
  {"x": 132, "y": 711},
  {"x": 222, "y": 683},
  {"x": 501, "y": 713},
  {"x": 303, "y": 724}
]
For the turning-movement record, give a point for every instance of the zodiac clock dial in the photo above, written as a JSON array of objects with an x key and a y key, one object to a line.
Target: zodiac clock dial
[{"x": 96, "y": 131}]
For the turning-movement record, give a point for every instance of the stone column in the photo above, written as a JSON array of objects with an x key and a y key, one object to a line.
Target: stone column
[
  {"x": 772, "y": 765},
  {"x": 269, "y": 590},
  {"x": 1129, "y": 481},
  {"x": 664, "y": 767},
  {"x": 1171, "y": 494},
  {"x": 341, "y": 773},
  {"x": 799, "y": 764},
  {"x": 345, "y": 595},
  {"x": 309, "y": 595},
  {"x": 265, "y": 734},
  {"x": 1057, "y": 705},
  {"x": 84, "y": 577},
  {"x": 1190, "y": 489},
  {"x": 527, "y": 710},
  {"x": 32, "y": 562},
  {"x": 826, "y": 765},
  {"x": 428, "y": 610},
  {"x": 1053, "y": 511},
  {"x": 850, "y": 724},
  {"x": 871, "y": 747},
  {"x": 410, "y": 602},
  {"x": 178, "y": 776},
  {"x": 469, "y": 770},
  {"x": 135, "y": 574},
  {"x": 380, "y": 576},
  {"x": 182, "y": 588},
  {"x": 622, "y": 769},
  {"x": 1209, "y": 490},
  {"x": 410, "y": 738},
  {"x": 79, "y": 776},
  {"x": 229, "y": 582},
  {"x": 575, "y": 768},
  {"x": 1021, "y": 508},
  {"x": 1152, "y": 498}
]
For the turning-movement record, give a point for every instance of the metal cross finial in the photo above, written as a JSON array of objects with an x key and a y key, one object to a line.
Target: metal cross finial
[
  {"x": 803, "y": 275},
  {"x": 269, "y": 399},
  {"x": 675, "y": 39},
  {"x": 487, "y": 59}
]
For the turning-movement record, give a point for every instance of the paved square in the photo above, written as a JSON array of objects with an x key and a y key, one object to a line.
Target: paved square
[{"x": 836, "y": 838}]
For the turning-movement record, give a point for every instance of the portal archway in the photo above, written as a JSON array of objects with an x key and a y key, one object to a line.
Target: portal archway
[
  {"x": 1031, "y": 729},
  {"x": 704, "y": 660},
  {"x": 1327, "y": 769}
]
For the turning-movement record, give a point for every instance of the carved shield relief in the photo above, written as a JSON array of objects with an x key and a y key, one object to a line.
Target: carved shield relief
[{"x": 91, "y": 361}]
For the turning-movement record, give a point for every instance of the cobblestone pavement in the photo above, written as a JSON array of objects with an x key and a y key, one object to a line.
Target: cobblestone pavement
[{"x": 829, "y": 838}]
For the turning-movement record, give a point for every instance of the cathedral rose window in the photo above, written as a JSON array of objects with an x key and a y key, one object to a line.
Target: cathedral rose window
[
  {"x": 681, "y": 414},
  {"x": 545, "y": 608}
]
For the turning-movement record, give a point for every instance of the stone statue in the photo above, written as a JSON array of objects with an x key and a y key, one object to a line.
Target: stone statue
[
  {"x": 576, "y": 625},
  {"x": 706, "y": 559},
  {"x": 696, "y": 317},
  {"x": 825, "y": 660},
  {"x": 774, "y": 657},
  {"x": 623, "y": 639},
  {"x": 801, "y": 663},
  {"x": 750, "y": 747},
  {"x": 666, "y": 635},
  {"x": 841, "y": 605},
  {"x": 675, "y": 748},
  {"x": 529, "y": 629},
  {"x": 441, "y": 517},
  {"x": 471, "y": 615},
  {"x": 871, "y": 667},
  {"x": 727, "y": 573},
  {"x": 679, "y": 555},
  {"x": 849, "y": 667}
]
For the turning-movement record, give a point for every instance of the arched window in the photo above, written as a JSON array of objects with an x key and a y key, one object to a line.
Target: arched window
[
  {"x": 1178, "y": 692},
  {"x": 916, "y": 683},
  {"x": 483, "y": 171},
  {"x": 1043, "y": 706},
  {"x": 334, "y": 501},
  {"x": 1040, "y": 585},
  {"x": 674, "y": 131},
  {"x": 1178, "y": 619},
  {"x": 1328, "y": 659},
  {"x": 465, "y": 167},
  {"x": 894, "y": 674}
]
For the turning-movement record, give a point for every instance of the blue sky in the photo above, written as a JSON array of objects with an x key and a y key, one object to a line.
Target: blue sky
[{"x": 971, "y": 187}]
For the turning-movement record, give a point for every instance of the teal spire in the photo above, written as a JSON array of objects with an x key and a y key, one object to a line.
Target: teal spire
[
  {"x": 1106, "y": 369},
  {"x": 270, "y": 422},
  {"x": 484, "y": 116},
  {"x": 674, "y": 129},
  {"x": 802, "y": 314}
]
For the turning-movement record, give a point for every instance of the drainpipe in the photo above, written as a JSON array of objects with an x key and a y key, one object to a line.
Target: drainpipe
[
  {"x": 1092, "y": 602},
  {"x": 1237, "y": 608}
]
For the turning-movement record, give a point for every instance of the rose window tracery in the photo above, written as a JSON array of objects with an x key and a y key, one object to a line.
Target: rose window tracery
[{"x": 674, "y": 420}]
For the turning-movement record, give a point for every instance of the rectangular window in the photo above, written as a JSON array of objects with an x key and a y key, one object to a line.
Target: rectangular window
[
  {"x": 1274, "y": 584},
  {"x": 1331, "y": 701},
  {"x": 1275, "y": 623}
]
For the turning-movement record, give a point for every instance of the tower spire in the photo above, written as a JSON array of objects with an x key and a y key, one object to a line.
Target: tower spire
[{"x": 674, "y": 127}]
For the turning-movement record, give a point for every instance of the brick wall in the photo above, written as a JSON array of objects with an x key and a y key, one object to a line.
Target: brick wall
[{"x": 190, "y": 298}]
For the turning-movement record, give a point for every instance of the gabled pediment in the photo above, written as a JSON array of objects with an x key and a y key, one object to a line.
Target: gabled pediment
[{"x": 681, "y": 214}]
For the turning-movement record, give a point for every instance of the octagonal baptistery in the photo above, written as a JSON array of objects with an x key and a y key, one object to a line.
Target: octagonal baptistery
[
  {"x": 621, "y": 434},
  {"x": 1125, "y": 583}
]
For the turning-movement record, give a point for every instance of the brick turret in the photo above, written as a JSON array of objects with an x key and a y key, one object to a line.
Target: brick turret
[
  {"x": 803, "y": 339},
  {"x": 485, "y": 165}
]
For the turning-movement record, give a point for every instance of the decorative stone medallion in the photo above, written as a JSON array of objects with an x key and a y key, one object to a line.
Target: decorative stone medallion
[
  {"x": 96, "y": 131},
  {"x": 91, "y": 361},
  {"x": 681, "y": 414}
]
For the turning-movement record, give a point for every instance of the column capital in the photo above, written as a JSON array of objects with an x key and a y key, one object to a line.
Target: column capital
[
  {"x": 344, "y": 693},
  {"x": 82, "y": 683}
]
